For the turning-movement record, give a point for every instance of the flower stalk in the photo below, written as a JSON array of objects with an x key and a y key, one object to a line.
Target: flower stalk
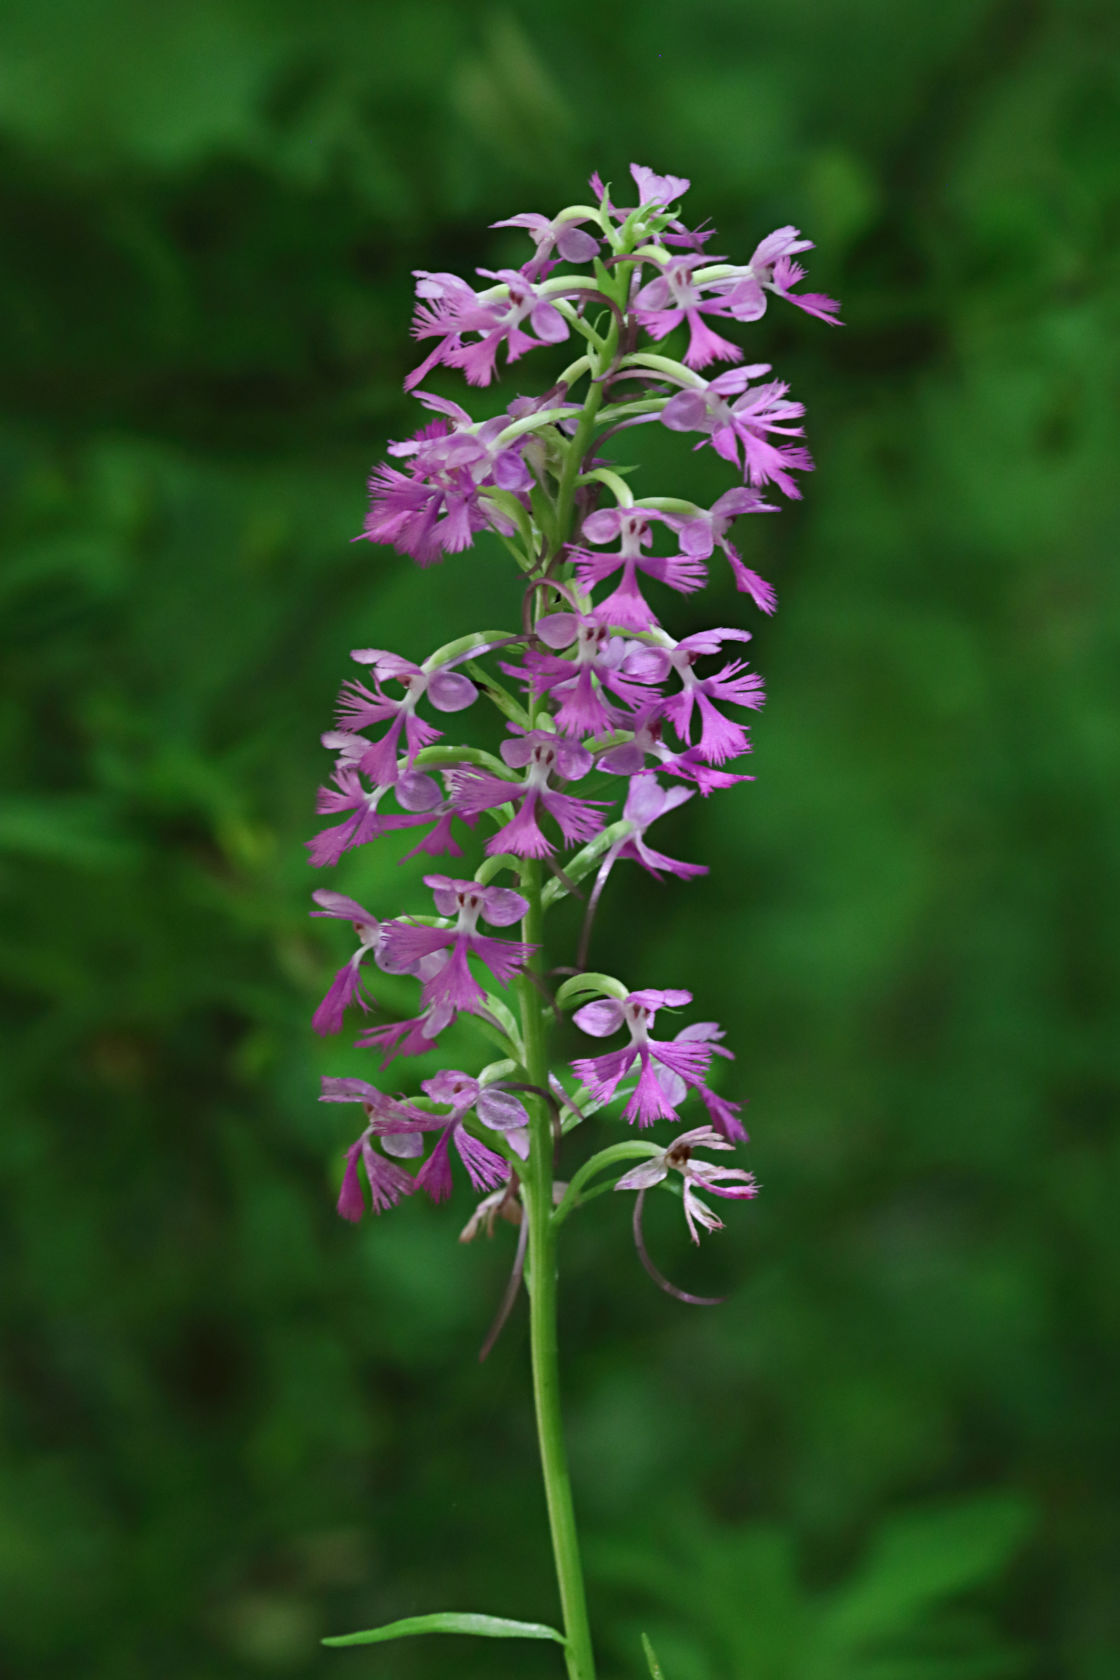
[{"x": 605, "y": 701}]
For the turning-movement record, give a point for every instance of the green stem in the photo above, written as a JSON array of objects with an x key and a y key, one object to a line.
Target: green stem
[{"x": 542, "y": 1310}]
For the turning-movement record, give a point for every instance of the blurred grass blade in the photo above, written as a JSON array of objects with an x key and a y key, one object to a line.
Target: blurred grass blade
[
  {"x": 450, "y": 1621},
  {"x": 654, "y": 1665}
]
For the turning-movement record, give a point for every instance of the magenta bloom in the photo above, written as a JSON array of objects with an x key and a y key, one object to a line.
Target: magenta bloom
[
  {"x": 602, "y": 661},
  {"x": 724, "y": 1115},
  {"x": 367, "y": 822},
  {"x": 403, "y": 944},
  {"x": 541, "y": 755},
  {"x": 496, "y": 1109},
  {"x": 702, "y": 532},
  {"x": 674, "y": 297},
  {"x": 400, "y": 1128},
  {"x": 730, "y": 1182},
  {"x": 650, "y": 1101},
  {"x": 346, "y": 987},
  {"x": 741, "y": 430},
  {"x": 396, "y": 1126},
  {"x": 629, "y": 757},
  {"x": 627, "y": 607},
  {"x": 436, "y": 508},
  {"x": 564, "y": 234},
  {"x": 451, "y": 309},
  {"x": 771, "y": 269},
  {"x": 359, "y": 706},
  {"x": 732, "y": 684},
  {"x": 413, "y": 1037},
  {"x": 646, "y": 801}
]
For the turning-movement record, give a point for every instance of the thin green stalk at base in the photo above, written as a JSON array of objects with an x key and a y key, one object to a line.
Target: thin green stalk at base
[{"x": 542, "y": 1314}]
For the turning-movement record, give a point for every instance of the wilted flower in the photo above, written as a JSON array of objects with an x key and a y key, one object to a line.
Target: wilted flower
[{"x": 731, "y": 1182}]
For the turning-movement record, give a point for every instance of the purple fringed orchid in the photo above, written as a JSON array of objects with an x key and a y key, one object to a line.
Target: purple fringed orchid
[
  {"x": 451, "y": 308},
  {"x": 628, "y": 758},
  {"x": 772, "y": 269},
  {"x": 403, "y": 944},
  {"x": 601, "y": 661},
  {"x": 346, "y": 987},
  {"x": 709, "y": 1176},
  {"x": 359, "y": 706},
  {"x": 541, "y": 755},
  {"x": 705, "y": 530},
  {"x": 740, "y": 429},
  {"x": 627, "y": 608},
  {"x": 675, "y": 297},
  {"x": 688, "y": 1059},
  {"x": 564, "y": 234},
  {"x": 417, "y": 793},
  {"x": 598, "y": 688},
  {"x": 720, "y": 737}
]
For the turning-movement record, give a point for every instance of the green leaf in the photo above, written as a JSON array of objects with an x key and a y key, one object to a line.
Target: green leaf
[
  {"x": 654, "y": 1665},
  {"x": 450, "y": 1621}
]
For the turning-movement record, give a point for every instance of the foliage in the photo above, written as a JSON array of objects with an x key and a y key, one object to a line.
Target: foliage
[{"x": 220, "y": 1443}]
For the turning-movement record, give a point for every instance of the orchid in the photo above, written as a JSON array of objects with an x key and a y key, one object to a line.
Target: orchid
[{"x": 603, "y": 698}]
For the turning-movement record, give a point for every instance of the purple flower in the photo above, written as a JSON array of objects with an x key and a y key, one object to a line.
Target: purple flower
[
  {"x": 771, "y": 269},
  {"x": 730, "y": 1182},
  {"x": 403, "y": 944},
  {"x": 740, "y": 430},
  {"x": 703, "y": 531},
  {"x": 674, "y": 297},
  {"x": 563, "y": 233},
  {"x": 408, "y": 1038},
  {"x": 601, "y": 662},
  {"x": 628, "y": 758},
  {"x": 436, "y": 507},
  {"x": 654, "y": 189},
  {"x": 359, "y": 706},
  {"x": 346, "y": 987},
  {"x": 496, "y": 1109},
  {"x": 655, "y": 1057},
  {"x": 720, "y": 737},
  {"x": 646, "y": 801},
  {"x": 454, "y": 309},
  {"x": 396, "y": 1125},
  {"x": 627, "y": 607},
  {"x": 367, "y": 822},
  {"x": 541, "y": 755},
  {"x": 724, "y": 1115},
  {"x": 656, "y": 192},
  {"x": 399, "y": 1127}
]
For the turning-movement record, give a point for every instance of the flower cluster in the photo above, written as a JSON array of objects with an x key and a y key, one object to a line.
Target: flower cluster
[{"x": 610, "y": 721}]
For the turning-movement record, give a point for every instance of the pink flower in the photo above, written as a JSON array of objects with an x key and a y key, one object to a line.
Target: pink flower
[
  {"x": 732, "y": 684},
  {"x": 396, "y": 1125},
  {"x": 703, "y": 531},
  {"x": 730, "y": 1182},
  {"x": 654, "y": 1057},
  {"x": 367, "y": 823},
  {"x": 627, "y": 607},
  {"x": 359, "y": 706},
  {"x": 436, "y": 507},
  {"x": 403, "y": 944},
  {"x": 674, "y": 297},
  {"x": 542, "y": 755},
  {"x": 564, "y": 234},
  {"x": 601, "y": 662},
  {"x": 771, "y": 269},
  {"x": 346, "y": 987},
  {"x": 740, "y": 431},
  {"x": 455, "y": 309},
  {"x": 629, "y": 757}
]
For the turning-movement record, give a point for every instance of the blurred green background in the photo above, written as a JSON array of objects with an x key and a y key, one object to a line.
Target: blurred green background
[{"x": 233, "y": 1423}]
